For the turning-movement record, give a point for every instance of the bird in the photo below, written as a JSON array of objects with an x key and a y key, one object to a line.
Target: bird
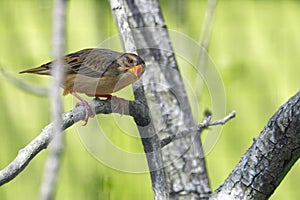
[{"x": 95, "y": 72}]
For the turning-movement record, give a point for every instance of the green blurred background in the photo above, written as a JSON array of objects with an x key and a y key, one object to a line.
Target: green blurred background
[{"x": 254, "y": 44}]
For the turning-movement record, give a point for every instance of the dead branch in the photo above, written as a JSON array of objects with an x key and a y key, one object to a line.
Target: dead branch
[
  {"x": 135, "y": 109},
  {"x": 206, "y": 123},
  {"x": 269, "y": 159}
]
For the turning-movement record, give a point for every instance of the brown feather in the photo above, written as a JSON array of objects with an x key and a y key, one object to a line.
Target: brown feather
[
  {"x": 96, "y": 71},
  {"x": 42, "y": 70},
  {"x": 69, "y": 84}
]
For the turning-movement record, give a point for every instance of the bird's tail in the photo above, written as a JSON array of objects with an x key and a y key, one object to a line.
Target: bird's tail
[{"x": 43, "y": 70}]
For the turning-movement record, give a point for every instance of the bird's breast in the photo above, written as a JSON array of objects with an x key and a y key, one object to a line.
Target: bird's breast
[{"x": 98, "y": 86}]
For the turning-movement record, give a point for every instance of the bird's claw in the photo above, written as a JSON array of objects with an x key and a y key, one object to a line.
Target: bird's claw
[{"x": 88, "y": 111}]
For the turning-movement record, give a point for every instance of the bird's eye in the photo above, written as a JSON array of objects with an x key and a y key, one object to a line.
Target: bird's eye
[{"x": 130, "y": 61}]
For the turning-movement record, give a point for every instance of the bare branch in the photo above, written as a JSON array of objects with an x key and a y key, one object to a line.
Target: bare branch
[
  {"x": 29, "y": 87},
  {"x": 135, "y": 109},
  {"x": 205, "y": 35},
  {"x": 207, "y": 24},
  {"x": 269, "y": 159},
  {"x": 55, "y": 150},
  {"x": 199, "y": 128},
  {"x": 218, "y": 122}
]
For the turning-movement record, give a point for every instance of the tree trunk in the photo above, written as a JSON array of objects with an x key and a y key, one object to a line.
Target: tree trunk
[{"x": 183, "y": 159}]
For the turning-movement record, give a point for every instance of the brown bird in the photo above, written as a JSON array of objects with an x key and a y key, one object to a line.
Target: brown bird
[{"x": 96, "y": 72}]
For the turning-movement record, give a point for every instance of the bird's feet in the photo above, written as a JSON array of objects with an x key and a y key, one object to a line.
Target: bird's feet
[
  {"x": 116, "y": 102},
  {"x": 88, "y": 110}
]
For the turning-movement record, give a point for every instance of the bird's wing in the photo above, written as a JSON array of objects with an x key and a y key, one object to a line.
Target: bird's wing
[
  {"x": 91, "y": 62},
  {"x": 88, "y": 62}
]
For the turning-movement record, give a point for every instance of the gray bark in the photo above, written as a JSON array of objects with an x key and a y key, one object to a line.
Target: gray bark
[
  {"x": 150, "y": 140},
  {"x": 269, "y": 159},
  {"x": 132, "y": 108},
  {"x": 256, "y": 176},
  {"x": 170, "y": 110}
]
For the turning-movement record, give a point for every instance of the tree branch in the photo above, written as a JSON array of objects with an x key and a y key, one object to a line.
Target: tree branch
[
  {"x": 205, "y": 35},
  {"x": 199, "y": 128},
  {"x": 29, "y": 87},
  {"x": 207, "y": 25},
  {"x": 148, "y": 134},
  {"x": 135, "y": 109},
  {"x": 269, "y": 159},
  {"x": 52, "y": 164}
]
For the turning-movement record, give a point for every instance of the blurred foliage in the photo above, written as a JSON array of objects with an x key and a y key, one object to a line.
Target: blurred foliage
[{"x": 254, "y": 44}]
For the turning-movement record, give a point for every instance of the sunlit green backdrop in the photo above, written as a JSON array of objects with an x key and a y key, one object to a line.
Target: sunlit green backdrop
[{"x": 255, "y": 46}]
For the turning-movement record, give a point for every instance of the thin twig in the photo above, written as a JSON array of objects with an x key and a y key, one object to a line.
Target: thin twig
[
  {"x": 207, "y": 24},
  {"x": 221, "y": 121},
  {"x": 199, "y": 128},
  {"x": 29, "y": 87},
  {"x": 204, "y": 39}
]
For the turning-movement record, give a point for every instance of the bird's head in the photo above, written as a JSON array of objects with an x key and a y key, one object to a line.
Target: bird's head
[{"x": 131, "y": 65}]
